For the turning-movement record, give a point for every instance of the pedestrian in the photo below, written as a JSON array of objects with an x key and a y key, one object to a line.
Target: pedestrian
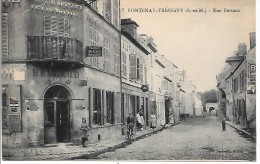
[
  {"x": 130, "y": 125},
  {"x": 85, "y": 129},
  {"x": 153, "y": 121},
  {"x": 224, "y": 123}
]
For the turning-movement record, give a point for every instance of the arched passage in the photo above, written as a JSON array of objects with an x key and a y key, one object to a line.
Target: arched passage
[{"x": 57, "y": 100}]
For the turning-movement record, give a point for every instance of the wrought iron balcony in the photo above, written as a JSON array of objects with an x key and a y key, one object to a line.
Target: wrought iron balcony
[{"x": 49, "y": 48}]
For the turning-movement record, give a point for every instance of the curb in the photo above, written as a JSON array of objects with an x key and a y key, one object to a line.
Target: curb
[
  {"x": 243, "y": 131},
  {"x": 117, "y": 146}
]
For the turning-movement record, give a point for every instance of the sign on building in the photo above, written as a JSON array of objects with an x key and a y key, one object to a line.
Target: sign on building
[{"x": 94, "y": 51}]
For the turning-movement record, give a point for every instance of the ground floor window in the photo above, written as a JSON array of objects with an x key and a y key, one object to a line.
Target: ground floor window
[
  {"x": 96, "y": 106},
  {"x": 110, "y": 106}
]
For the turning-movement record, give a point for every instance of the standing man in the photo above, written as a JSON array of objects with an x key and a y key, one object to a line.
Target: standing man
[{"x": 224, "y": 123}]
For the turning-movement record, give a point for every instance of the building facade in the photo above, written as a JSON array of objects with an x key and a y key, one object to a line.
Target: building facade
[
  {"x": 237, "y": 102},
  {"x": 52, "y": 77}
]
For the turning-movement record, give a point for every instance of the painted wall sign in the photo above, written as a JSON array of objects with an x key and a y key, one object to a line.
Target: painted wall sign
[
  {"x": 56, "y": 6},
  {"x": 14, "y": 72},
  {"x": 55, "y": 73},
  {"x": 94, "y": 51},
  {"x": 252, "y": 70}
]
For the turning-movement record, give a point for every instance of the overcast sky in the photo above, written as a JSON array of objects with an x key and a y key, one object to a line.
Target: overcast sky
[{"x": 196, "y": 42}]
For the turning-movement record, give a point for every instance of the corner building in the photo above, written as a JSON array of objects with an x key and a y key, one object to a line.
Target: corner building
[{"x": 49, "y": 78}]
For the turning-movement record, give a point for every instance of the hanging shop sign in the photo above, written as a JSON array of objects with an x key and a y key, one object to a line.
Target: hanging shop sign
[
  {"x": 144, "y": 88},
  {"x": 94, "y": 51}
]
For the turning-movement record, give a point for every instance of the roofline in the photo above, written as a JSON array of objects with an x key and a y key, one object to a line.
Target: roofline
[{"x": 135, "y": 42}]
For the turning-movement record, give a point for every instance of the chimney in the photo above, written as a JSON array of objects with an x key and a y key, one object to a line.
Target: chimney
[
  {"x": 130, "y": 27},
  {"x": 242, "y": 49},
  {"x": 252, "y": 40}
]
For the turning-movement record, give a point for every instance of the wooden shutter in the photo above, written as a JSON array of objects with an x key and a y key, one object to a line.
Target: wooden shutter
[
  {"x": 15, "y": 114},
  {"x": 5, "y": 48},
  {"x": 47, "y": 25},
  {"x": 61, "y": 29},
  {"x": 133, "y": 66},
  {"x": 141, "y": 77},
  {"x": 54, "y": 26},
  {"x": 66, "y": 28}
]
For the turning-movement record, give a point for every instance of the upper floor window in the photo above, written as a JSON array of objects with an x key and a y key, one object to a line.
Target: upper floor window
[
  {"x": 56, "y": 26},
  {"x": 4, "y": 30}
]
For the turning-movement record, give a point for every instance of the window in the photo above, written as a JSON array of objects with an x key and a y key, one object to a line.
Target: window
[
  {"x": 5, "y": 49},
  {"x": 133, "y": 66},
  {"x": 145, "y": 74},
  {"x": 93, "y": 5},
  {"x": 124, "y": 71},
  {"x": 137, "y": 68},
  {"x": 110, "y": 106},
  {"x": 235, "y": 85},
  {"x": 106, "y": 54},
  {"x": 141, "y": 71},
  {"x": 54, "y": 26},
  {"x": 242, "y": 82},
  {"x": 116, "y": 59},
  {"x": 96, "y": 106},
  {"x": 93, "y": 36}
]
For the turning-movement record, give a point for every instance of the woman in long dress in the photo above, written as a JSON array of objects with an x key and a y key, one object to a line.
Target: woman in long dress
[{"x": 153, "y": 121}]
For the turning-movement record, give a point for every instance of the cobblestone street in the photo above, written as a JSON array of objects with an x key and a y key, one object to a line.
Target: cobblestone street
[{"x": 196, "y": 139}]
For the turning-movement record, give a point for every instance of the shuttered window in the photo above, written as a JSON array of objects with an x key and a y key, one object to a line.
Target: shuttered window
[
  {"x": 5, "y": 49},
  {"x": 133, "y": 66},
  {"x": 58, "y": 27},
  {"x": 96, "y": 106},
  {"x": 110, "y": 106},
  {"x": 145, "y": 74},
  {"x": 116, "y": 59},
  {"x": 93, "y": 36},
  {"x": 106, "y": 49},
  {"x": 124, "y": 71},
  {"x": 141, "y": 78}
]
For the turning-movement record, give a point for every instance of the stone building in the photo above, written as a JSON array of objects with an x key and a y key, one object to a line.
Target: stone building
[
  {"x": 53, "y": 72},
  {"x": 239, "y": 104}
]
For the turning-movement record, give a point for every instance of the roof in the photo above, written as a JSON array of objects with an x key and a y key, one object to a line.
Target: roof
[
  {"x": 135, "y": 42},
  {"x": 128, "y": 21}
]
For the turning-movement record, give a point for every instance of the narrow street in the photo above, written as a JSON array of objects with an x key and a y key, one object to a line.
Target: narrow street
[{"x": 196, "y": 139}]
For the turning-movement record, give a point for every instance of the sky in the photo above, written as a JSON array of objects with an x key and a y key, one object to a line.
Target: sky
[{"x": 197, "y": 42}]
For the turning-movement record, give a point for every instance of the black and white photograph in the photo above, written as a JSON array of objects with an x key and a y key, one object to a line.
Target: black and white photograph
[{"x": 128, "y": 81}]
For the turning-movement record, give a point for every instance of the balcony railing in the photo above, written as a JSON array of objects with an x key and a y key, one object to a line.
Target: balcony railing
[{"x": 55, "y": 48}]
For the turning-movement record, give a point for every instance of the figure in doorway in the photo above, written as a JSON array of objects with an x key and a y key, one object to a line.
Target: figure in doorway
[{"x": 130, "y": 125}]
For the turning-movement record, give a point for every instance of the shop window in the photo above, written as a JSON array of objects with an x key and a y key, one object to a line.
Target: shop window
[
  {"x": 97, "y": 106},
  {"x": 4, "y": 22},
  {"x": 110, "y": 106}
]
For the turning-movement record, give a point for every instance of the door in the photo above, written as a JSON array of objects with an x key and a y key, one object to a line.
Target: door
[
  {"x": 49, "y": 122},
  {"x": 56, "y": 115},
  {"x": 62, "y": 121}
]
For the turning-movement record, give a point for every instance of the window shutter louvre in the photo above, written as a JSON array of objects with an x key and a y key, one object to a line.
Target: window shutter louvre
[
  {"x": 5, "y": 48},
  {"x": 61, "y": 27},
  {"x": 54, "y": 26},
  {"x": 47, "y": 26},
  {"x": 133, "y": 66},
  {"x": 141, "y": 78},
  {"x": 66, "y": 28}
]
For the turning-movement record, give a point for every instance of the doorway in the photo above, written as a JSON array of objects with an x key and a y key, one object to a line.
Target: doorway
[{"x": 57, "y": 115}]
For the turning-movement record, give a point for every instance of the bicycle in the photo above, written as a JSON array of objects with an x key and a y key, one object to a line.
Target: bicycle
[{"x": 130, "y": 132}]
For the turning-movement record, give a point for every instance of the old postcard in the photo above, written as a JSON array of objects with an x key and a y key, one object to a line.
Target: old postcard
[{"x": 124, "y": 80}]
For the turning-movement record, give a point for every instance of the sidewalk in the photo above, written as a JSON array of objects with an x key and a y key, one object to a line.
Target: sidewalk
[
  {"x": 65, "y": 151},
  {"x": 240, "y": 128}
]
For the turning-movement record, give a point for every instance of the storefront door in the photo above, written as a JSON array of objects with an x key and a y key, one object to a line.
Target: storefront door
[{"x": 56, "y": 115}]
